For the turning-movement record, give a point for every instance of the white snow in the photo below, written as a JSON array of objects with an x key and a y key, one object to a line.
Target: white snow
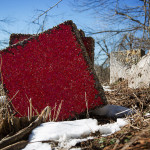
[
  {"x": 69, "y": 133},
  {"x": 107, "y": 88},
  {"x": 38, "y": 146},
  {"x": 111, "y": 128}
]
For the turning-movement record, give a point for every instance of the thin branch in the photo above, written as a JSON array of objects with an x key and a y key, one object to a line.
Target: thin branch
[
  {"x": 45, "y": 12},
  {"x": 102, "y": 47},
  {"x": 3, "y": 30},
  {"x": 106, "y": 60},
  {"x": 106, "y": 47},
  {"x": 129, "y": 17},
  {"x": 117, "y": 31}
]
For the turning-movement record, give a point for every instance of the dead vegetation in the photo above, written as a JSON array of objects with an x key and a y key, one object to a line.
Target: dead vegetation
[
  {"x": 14, "y": 131},
  {"x": 135, "y": 135}
]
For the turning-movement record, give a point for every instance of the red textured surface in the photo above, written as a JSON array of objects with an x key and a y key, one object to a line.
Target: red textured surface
[
  {"x": 15, "y": 38},
  {"x": 49, "y": 68},
  {"x": 88, "y": 43}
]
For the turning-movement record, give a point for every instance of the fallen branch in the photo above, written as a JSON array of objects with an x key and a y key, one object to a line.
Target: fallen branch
[
  {"x": 17, "y": 146},
  {"x": 24, "y": 132}
]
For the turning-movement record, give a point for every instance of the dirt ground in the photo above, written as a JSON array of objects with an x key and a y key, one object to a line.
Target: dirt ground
[{"x": 135, "y": 135}]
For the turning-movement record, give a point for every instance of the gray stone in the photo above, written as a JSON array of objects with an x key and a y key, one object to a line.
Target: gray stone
[
  {"x": 139, "y": 75},
  {"x": 112, "y": 111},
  {"x": 121, "y": 63}
]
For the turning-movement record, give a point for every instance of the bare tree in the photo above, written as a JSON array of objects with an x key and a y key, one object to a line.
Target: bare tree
[
  {"x": 128, "y": 24},
  {"x": 130, "y": 18}
]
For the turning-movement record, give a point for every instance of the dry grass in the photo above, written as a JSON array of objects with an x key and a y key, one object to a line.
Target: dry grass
[{"x": 9, "y": 124}]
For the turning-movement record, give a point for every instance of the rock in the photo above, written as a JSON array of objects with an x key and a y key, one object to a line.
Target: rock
[
  {"x": 139, "y": 74},
  {"x": 112, "y": 111}
]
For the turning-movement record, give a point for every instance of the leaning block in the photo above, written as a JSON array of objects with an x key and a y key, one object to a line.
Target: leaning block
[{"x": 51, "y": 68}]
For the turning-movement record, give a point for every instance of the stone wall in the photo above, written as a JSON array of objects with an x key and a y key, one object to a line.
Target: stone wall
[
  {"x": 139, "y": 75},
  {"x": 121, "y": 63}
]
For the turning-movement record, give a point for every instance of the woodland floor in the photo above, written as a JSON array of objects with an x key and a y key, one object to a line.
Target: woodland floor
[{"x": 135, "y": 135}]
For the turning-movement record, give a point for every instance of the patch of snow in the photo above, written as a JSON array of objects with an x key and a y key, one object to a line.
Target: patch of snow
[
  {"x": 107, "y": 88},
  {"x": 65, "y": 130},
  {"x": 38, "y": 146},
  {"x": 69, "y": 133},
  {"x": 111, "y": 128}
]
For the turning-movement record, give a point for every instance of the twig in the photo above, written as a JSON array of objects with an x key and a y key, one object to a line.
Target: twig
[
  {"x": 33, "y": 107},
  {"x": 30, "y": 109},
  {"x": 58, "y": 111},
  {"x": 134, "y": 127},
  {"x": 45, "y": 12},
  {"x": 47, "y": 115},
  {"x": 86, "y": 102},
  {"x": 10, "y": 101},
  {"x": 13, "y": 97},
  {"x": 117, "y": 143},
  {"x": 54, "y": 112},
  {"x": 138, "y": 100}
]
